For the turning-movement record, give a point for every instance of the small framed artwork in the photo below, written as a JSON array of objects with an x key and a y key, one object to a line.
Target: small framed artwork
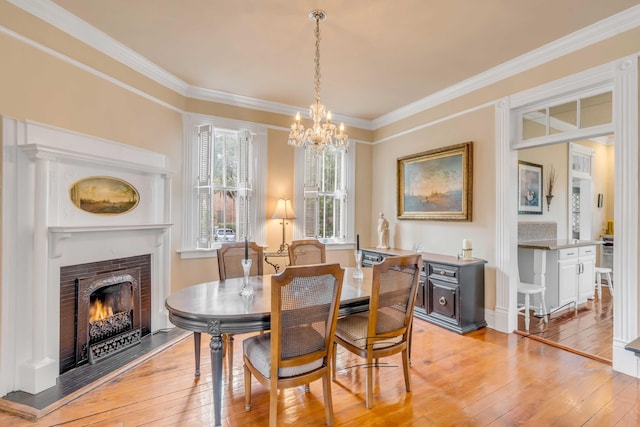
[
  {"x": 104, "y": 195},
  {"x": 529, "y": 188},
  {"x": 436, "y": 184}
]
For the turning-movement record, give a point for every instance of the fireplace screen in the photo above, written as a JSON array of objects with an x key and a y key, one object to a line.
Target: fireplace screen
[{"x": 108, "y": 314}]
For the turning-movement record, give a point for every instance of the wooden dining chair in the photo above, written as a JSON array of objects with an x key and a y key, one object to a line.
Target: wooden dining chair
[
  {"x": 306, "y": 252},
  {"x": 229, "y": 266},
  {"x": 386, "y": 328},
  {"x": 304, "y": 308}
]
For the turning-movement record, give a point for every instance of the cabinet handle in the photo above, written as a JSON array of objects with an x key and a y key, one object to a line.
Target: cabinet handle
[
  {"x": 442, "y": 272},
  {"x": 442, "y": 301}
]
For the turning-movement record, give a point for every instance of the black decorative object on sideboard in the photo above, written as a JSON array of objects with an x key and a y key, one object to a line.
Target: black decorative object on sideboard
[{"x": 451, "y": 291}]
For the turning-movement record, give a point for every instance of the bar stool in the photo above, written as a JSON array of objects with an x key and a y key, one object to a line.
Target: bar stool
[
  {"x": 528, "y": 289},
  {"x": 606, "y": 272}
]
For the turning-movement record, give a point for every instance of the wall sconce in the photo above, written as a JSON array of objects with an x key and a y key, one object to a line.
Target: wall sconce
[
  {"x": 600, "y": 200},
  {"x": 283, "y": 211},
  {"x": 549, "y": 197}
]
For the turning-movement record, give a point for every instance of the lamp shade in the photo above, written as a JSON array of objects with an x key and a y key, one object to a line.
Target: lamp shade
[{"x": 284, "y": 210}]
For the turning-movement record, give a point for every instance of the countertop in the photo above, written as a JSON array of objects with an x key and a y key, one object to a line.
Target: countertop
[
  {"x": 554, "y": 244},
  {"x": 448, "y": 259}
]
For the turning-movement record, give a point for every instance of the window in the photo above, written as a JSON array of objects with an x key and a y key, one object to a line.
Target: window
[
  {"x": 224, "y": 164},
  {"x": 588, "y": 113},
  {"x": 322, "y": 195}
]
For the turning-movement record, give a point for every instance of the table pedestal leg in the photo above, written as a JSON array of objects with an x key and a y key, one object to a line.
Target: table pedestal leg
[{"x": 216, "y": 370}]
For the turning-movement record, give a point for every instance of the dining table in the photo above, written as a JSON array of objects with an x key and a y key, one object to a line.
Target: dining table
[{"x": 217, "y": 308}]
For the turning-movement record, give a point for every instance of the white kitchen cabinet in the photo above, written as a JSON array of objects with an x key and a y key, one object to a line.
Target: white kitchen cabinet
[
  {"x": 586, "y": 273},
  {"x": 569, "y": 274},
  {"x": 568, "y": 270}
]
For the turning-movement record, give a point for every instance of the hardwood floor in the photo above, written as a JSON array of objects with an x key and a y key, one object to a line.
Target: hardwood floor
[
  {"x": 589, "y": 331},
  {"x": 479, "y": 379}
]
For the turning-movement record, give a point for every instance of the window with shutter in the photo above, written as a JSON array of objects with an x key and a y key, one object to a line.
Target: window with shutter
[
  {"x": 222, "y": 164},
  {"x": 324, "y": 195}
]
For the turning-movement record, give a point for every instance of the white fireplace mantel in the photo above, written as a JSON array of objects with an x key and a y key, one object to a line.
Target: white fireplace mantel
[
  {"x": 43, "y": 231},
  {"x": 60, "y": 234}
]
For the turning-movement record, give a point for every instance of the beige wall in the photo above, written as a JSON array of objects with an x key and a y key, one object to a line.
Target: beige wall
[
  {"x": 37, "y": 86},
  {"x": 478, "y": 127},
  {"x": 443, "y": 237}
]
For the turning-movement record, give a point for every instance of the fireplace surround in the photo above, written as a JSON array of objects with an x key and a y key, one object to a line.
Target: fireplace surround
[
  {"x": 88, "y": 334},
  {"x": 44, "y": 233}
]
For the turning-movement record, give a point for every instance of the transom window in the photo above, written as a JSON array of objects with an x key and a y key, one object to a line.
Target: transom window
[{"x": 569, "y": 118}]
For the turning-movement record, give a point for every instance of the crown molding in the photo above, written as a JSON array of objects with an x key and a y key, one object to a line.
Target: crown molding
[
  {"x": 71, "y": 24},
  {"x": 268, "y": 106}
]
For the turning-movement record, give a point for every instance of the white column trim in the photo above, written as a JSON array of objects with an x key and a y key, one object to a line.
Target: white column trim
[
  {"x": 504, "y": 320},
  {"x": 625, "y": 298},
  {"x": 623, "y": 76}
]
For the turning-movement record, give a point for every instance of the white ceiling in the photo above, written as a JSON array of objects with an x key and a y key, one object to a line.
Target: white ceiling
[{"x": 376, "y": 55}]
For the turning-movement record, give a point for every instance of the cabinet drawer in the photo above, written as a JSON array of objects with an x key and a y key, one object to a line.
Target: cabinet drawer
[
  {"x": 442, "y": 271},
  {"x": 442, "y": 301},
  {"x": 568, "y": 253},
  {"x": 371, "y": 258},
  {"x": 587, "y": 250}
]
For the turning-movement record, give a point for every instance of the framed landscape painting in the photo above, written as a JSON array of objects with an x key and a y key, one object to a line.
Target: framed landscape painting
[
  {"x": 437, "y": 184},
  {"x": 104, "y": 195},
  {"x": 529, "y": 188}
]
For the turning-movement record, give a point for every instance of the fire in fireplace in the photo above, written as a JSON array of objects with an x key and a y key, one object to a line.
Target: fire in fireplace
[
  {"x": 113, "y": 310},
  {"x": 107, "y": 309}
]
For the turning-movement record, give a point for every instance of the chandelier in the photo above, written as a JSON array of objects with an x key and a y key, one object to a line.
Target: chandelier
[{"x": 321, "y": 135}]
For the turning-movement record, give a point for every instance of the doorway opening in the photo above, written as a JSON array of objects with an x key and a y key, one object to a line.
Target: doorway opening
[{"x": 582, "y": 209}]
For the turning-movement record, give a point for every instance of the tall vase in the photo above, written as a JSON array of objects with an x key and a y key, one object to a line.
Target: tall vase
[
  {"x": 358, "y": 274},
  {"x": 247, "y": 289}
]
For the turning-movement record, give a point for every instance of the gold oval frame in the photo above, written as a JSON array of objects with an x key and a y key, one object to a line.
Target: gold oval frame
[{"x": 104, "y": 195}]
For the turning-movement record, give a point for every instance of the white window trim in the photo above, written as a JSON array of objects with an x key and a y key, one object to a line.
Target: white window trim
[
  {"x": 189, "y": 224},
  {"x": 298, "y": 195}
]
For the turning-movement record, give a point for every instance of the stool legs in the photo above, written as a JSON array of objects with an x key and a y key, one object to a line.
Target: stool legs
[
  {"x": 526, "y": 312},
  {"x": 545, "y": 315},
  {"x": 527, "y": 307},
  {"x": 607, "y": 276}
]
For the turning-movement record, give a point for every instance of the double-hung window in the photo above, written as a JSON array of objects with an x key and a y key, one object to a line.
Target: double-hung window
[
  {"x": 323, "y": 195},
  {"x": 224, "y": 183}
]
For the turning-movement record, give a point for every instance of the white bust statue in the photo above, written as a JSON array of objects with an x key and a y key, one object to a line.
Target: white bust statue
[{"x": 383, "y": 232}]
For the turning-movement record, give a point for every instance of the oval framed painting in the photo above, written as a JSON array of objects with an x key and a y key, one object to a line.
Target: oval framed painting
[{"x": 104, "y": 195}]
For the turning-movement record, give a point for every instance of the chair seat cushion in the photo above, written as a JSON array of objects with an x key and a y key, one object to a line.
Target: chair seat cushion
[
  {"x": 306, "y": 339},
  {"x": 353, "y": 329}
]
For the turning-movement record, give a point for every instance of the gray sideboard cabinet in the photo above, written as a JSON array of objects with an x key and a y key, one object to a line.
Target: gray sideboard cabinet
[{"x": 451, "y": 291}]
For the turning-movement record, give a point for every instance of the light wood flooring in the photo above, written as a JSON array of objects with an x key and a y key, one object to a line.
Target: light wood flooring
[
  {"x": 484, "y": 378},
  {"x": 588, "y": 331}
]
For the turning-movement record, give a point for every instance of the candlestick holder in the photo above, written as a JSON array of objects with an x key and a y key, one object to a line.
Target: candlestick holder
[
  {"x": 247, "y": 289},
  {"x": 358, "y": 274},
  {"x": 466, "y": 254}
]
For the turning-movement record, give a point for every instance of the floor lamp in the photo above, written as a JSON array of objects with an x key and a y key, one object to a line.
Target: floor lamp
[{"x": 284, "y": 211}]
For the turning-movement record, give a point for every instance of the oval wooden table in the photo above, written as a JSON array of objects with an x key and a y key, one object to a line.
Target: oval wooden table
[{"x": 217, "y": 308}]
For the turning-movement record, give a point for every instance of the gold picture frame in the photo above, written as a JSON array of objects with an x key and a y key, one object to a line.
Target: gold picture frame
[
  {"x": 437, "y": 184},
  {"x": 104, "y": 195}
]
